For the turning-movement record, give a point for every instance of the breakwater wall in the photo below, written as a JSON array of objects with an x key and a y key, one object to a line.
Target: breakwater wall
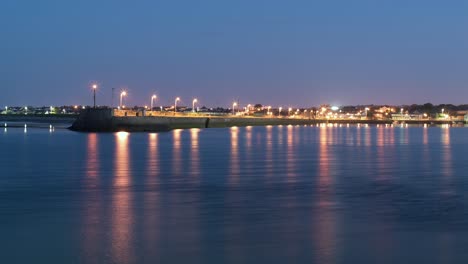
[{"x": 103, "y": 120}]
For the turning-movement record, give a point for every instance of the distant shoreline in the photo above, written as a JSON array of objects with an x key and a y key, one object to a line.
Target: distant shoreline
[{"x": 39, "y": 121}]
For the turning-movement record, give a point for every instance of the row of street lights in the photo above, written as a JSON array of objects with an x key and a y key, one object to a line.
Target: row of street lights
[
  {"x": 153, "y": 98},
  {"x": 195, "y": 100},
  {"x": 177, "y": 99}
]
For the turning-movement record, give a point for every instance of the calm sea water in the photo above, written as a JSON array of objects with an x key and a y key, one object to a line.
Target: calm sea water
[{"x": 285, "y": 194}]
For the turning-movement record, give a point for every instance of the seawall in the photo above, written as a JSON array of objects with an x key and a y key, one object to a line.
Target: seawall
[{"x": 103, "y": 120}]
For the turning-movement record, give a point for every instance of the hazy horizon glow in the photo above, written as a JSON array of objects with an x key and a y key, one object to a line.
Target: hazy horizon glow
[{"x": 279, "y": 53}]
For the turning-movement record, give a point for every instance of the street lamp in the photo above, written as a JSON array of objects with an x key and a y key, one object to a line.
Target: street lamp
[
  {"x": 289, "y": 110},
  {"x": 248, "y": 108},
  {"x": 193, "y": 104},
  {"x": 175, "y": 104},
  {"x": 233, "y": 107},
  {"x": 94, "y": 94},
  {"x": 268, "y": 110},
  {"x": 122, "y": 94},
  {"x": 152, "y": 100},
  {"x": 26, "y": 110},
  {"x": 279, "y": 111}
]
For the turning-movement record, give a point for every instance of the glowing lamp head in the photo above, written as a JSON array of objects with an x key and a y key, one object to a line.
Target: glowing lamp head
[
  {"x": 94, "y": 86},
  {"x": 177, "y": 99},
  {"x": 124, "y": 93},
  {"x": 195, "y": 100},
  {"x": 154, "y": 96},
  {"x": 234, "y": 104}
]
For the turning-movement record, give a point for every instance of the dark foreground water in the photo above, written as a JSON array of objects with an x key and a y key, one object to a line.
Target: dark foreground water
[{"x": 240, "y": 195}]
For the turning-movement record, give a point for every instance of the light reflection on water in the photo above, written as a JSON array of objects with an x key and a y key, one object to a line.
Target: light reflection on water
[
  {"x": 253, "y": 195},
  {"x": 177, "y": 152},
  {"x": 325, "y": 222},
  {"x": 122, "y": 214},
  {"x": 195, "y": 153}
]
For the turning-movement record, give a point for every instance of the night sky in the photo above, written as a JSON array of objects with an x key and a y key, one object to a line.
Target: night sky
[{"x": 289, "y": 53}]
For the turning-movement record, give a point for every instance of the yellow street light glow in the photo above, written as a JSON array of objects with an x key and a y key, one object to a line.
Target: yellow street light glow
[
  {"x": 122, "y": 94},
  {"x": 152, "y": 100},
  {"x": 193, "y": 104},
  {"x": 94, "y": 94},
  {"x": 234, "y": 104},
  {"x": 175, "y": 104}
]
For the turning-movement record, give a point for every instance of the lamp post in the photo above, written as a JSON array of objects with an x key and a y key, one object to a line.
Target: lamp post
[
  {"x": 279, "y": 111},
  {"x": 175, "y": 104},
  {"x": 233, "y": 107},
  {"x": 248, "y": 108},
  {"x": 193, "y": 104},
  {"x": 94, "y": 94},
  {"x": 26, "y": 110},
  {"x": 268, "y": 110},
  {"x": 122, "y": 94},
  {"x": 152, "y": 100},
  {"x": 289, "y": 111}
]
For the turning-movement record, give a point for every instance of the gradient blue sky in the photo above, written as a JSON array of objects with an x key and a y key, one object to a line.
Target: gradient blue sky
[{"x": 290, "y": 53}]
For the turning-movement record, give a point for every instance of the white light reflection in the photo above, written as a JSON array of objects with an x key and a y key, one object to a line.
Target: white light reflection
[
  {"x": 195, "y": 152},
  {"x": 234, "y": 160},
  {"x": 122, "y": 213}
]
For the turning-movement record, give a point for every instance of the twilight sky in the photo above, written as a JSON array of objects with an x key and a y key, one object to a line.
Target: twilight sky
[{"x": 289, "y": 53}]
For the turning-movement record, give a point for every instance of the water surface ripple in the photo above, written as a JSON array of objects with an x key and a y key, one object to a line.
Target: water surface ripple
[{"x": 275, "y": 194}]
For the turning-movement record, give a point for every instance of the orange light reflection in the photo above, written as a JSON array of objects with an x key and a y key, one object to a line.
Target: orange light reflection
[
  {"x": 176, "y": 154},
  {"x": 234, "y": 160},
  {"x": 122, "y": 217},
  {"x": 195, "y": 152}
]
